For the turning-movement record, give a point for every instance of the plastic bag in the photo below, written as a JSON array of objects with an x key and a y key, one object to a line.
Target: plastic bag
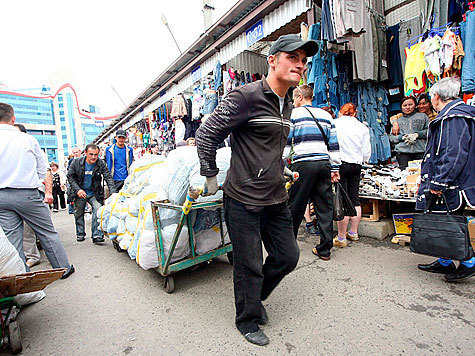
[
  {"x": 338, "y": 211},
  {"x": 11, "y": 264},
  {"x": 342, "y": 204}
]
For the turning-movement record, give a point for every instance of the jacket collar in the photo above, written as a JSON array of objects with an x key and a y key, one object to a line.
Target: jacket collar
[
  {"x": 268, "y": 90},
  {"x": 448, "y": 107}
]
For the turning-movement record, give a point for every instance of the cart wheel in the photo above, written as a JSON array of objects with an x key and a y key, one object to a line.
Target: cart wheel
[
  {"x": 169, "y": 284},
  {"x": 15, "y": 337},
  {"x": 230, "y": 258}
]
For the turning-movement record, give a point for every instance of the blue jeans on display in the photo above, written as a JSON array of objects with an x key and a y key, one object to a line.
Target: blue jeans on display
[
  {"x": 211, "y": 101},
  {"x": 79, "y": 205},
  {"x": 218, "y": 76},
  {"x": 467, "y": 30}
]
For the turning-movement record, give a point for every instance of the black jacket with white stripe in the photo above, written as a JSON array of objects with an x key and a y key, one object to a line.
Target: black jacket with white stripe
[{"x": 251, "y": 115}]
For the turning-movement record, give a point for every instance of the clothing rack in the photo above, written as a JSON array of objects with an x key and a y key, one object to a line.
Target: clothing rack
[{"x": 434, "y": 31}]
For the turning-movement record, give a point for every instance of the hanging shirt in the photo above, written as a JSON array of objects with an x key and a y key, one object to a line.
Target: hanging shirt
[
  {"x": 87, "y": 182},
  {"x": 415, "y": 67}
]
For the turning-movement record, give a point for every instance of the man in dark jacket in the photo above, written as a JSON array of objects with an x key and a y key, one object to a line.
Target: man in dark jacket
[
  {"x": 257, "y": 116},
  {"x": 448, "y": 165},
  {"x": 85, "y": 178}
]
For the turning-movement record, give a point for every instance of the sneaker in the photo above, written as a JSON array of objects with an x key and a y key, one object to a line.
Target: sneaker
[
  {"x": 55, "y": 210},
  {"x": 98, "y": 240},
  {"x": 461, "y": 273},
  {"x": 353, "y": 236},
  {"x": 31, "y": 263},
  {"x": 339, "y": 243}
]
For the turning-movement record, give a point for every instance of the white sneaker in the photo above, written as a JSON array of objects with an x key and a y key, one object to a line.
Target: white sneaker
[{"x": 352, "y": 236}]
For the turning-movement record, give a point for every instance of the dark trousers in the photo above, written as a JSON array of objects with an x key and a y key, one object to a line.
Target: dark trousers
[
  {"x": 249, "y": 227},
  {"x": 118, "y": 184},
  {"x": 404, "y": 158},
  {"x": 350, "y": 176},
  {"x": 58, "y": 194},
  {"x": 314, "y": 184}
]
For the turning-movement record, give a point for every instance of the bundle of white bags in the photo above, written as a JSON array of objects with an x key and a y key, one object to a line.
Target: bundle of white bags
[
  {"x": 11, "y": 264},
  {"x": 127, "y": 216}
]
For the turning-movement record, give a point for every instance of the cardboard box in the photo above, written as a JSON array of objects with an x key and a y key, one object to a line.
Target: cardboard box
[
  {"x": 471, "y": 230},
  {"x": 403, "y": 223}
]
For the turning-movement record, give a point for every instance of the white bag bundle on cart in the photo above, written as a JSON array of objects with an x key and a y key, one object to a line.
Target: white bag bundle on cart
[
  {"x": 127, "y": 216},
  {"x": 10, "y": 264}
]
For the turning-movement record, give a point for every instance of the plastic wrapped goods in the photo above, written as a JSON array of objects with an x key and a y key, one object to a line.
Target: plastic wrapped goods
[{"x": 11, "y": 264}]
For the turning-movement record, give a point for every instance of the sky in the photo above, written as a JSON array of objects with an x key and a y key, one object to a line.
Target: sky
[{"x": 122, "y": 43}]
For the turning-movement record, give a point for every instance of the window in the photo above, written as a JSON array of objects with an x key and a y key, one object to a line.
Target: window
[
  {"x": 61, "y": 112},
  {"x": 61, "y": 105}
]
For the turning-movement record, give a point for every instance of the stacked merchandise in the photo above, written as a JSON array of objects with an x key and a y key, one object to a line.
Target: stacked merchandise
[
  {"x": 126, "y": 216},
  {"x": 390, "y": 183}
]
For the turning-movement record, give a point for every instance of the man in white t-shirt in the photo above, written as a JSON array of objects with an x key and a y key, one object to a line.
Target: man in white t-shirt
[{"x": 23, "y": 165}]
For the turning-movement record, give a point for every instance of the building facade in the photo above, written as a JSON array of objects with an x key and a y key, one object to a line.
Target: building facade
[{"x": 56, "y": 121}]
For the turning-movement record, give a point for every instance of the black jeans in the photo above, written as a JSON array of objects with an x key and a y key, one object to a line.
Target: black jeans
[
  {"x": 314, "y": 184},
  {"x": 58, "y": 194},
  {"x": 404, "y": 158},
  {"x": 249, "y": 227}
]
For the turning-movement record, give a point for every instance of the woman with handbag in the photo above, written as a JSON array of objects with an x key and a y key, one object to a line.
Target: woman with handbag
[
  {"x": 59, "y": 187},
  {"x": 355, "y": 149},
  {"x": 447, "y": 170}
]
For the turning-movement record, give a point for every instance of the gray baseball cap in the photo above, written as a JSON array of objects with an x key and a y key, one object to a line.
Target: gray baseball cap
[
  {"x": 292, "y": 42},
  {"x": 120, "y": 133}
]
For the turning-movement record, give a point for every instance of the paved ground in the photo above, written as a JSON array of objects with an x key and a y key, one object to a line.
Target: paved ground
[{"x": 369, "y": 299}]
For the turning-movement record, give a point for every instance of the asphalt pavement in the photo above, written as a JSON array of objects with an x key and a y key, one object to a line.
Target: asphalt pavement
[{"x": 369, "y": 299}]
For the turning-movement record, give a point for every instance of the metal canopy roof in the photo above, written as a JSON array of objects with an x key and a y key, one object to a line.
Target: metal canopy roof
[{"x": 242, "y": 15}]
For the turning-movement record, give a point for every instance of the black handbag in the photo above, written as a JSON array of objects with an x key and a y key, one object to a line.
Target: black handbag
[
  {"x": 342, "y": 204},
  {"x": 440, "y": 235}
]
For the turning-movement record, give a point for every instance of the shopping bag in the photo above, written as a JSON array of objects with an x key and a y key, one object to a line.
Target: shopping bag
[
  {"x": 440, "y": 235},
  {"x": 348, "y": 205},
  {"x": 338, "y": 210}
]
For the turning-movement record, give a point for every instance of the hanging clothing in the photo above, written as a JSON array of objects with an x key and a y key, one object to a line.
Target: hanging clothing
[
  {"x": 414, "y": 70},
  {"x": 363, "y": 55},
  {"x": 467, "y": 29},
  {"x": 408, "y": 30},
  {"x": 178, "y": 107},
  {"x": 457, "y": 61},
  {"x": 430, "y": 47},
  {"x": 394, "y": 56}
]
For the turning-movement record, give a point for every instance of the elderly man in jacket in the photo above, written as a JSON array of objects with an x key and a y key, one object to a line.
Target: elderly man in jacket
[
  {"x": 448, "y": 165},
  {"x": 85, "y": 177}
]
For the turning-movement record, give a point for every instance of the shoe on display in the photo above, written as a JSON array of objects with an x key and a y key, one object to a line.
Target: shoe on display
[
  {"x": 353, "y": 236},
  {"x": 339, "y": 243},
  {"x": 436, "y": 267},
  {"x": 98, "y": 240},
  {"x": 257, "y": 337},
  {"x": 461, "y": 273}
]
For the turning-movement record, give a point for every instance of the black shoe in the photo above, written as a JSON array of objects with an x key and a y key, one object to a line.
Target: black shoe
[
  {"x": 264, "y": 318},
  {"x": 461, "y": 273},
  {"x": 98, "y": 240},
  {"x": 436, "y": 267},
  {"x": 80, "y": 238},
  {"x": 69, "y": 272},
  {"x": 257, "y": 337}
]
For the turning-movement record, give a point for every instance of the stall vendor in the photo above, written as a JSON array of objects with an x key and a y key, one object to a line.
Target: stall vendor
[{"x": 411, "y": 140}]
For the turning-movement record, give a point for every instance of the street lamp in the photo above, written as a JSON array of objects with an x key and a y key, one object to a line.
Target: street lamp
[{"x": 165, "y": 22}]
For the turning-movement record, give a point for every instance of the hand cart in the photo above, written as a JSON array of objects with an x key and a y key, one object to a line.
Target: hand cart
[
  {"x": 10, "y": 333},
  {"x": 165, "y": 265}
]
